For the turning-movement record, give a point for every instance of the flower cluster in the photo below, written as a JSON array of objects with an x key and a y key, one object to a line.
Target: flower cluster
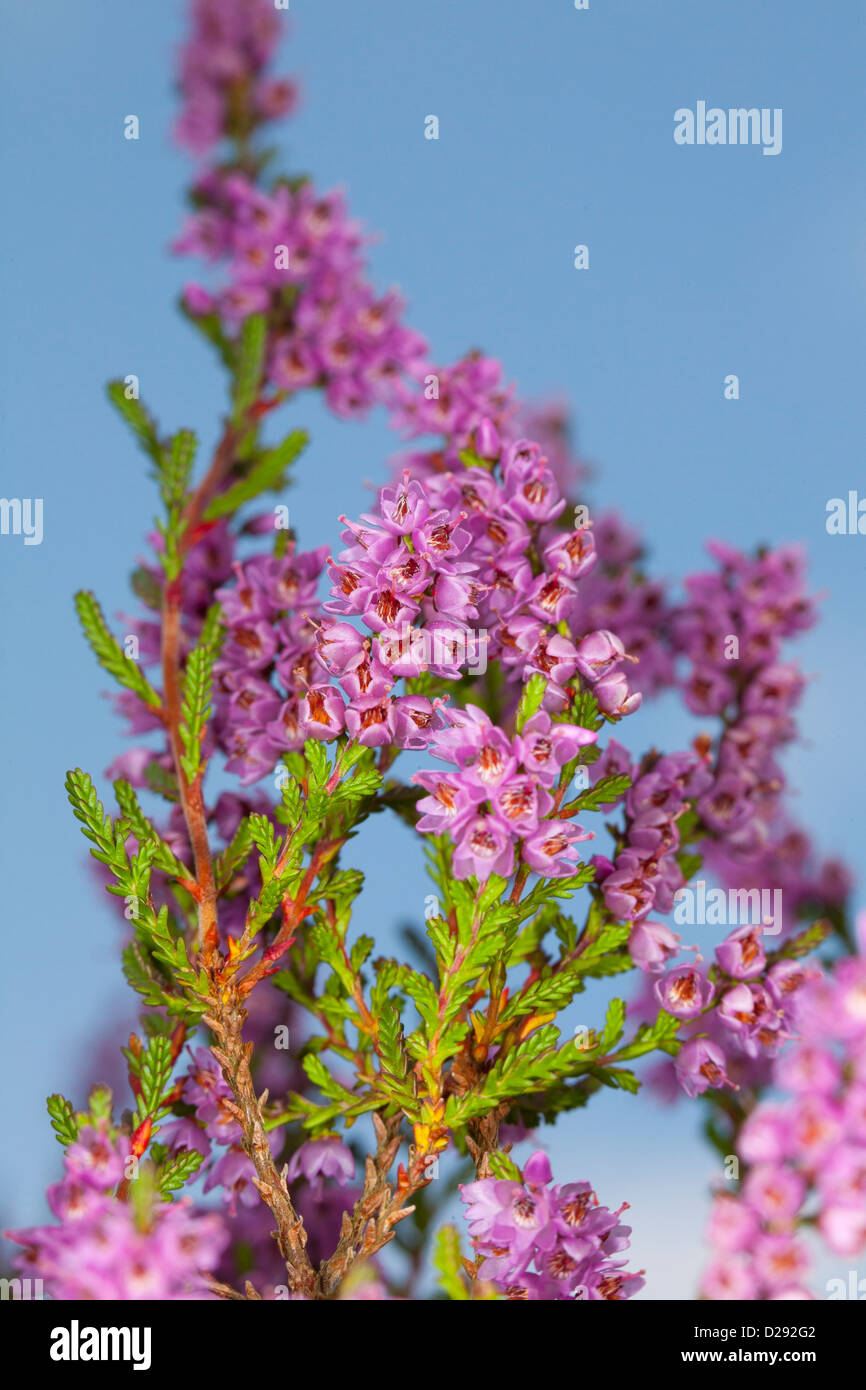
[
  {"x": 222, "y": 79},
  {"x": 806, "y": 1153},
  {"x": 751, "y": 1019},
  {"x": 479, "y": 545},
  {"x": 499, "y": 798},
  {"x": 467, "y": 406},
  {"x": 617, "y": 594},
  {"x": 103, "y": 1247},
  {"x": 473, "y": 555},
  {"x": 296, "y": 255},
  {"x": 808, "y": 887},
  {"x": 543, "y": 1242},
  {"x": 267, "y": 659},
  {"x": 731, "y": 633},
  {"x": 645, "y": 873}
]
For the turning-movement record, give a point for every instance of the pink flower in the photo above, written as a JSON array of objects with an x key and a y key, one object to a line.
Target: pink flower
[
  {"x": 484, "y": 848},
  {"x": 700, "y": 1066}
]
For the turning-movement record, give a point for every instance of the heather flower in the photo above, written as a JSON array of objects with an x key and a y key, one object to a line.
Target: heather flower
[
  {"x": 484, "y": 848},
  {"x": 732, "y": 1225},
  {"x": 780, "y": 1259},
  {"x": 684, "y": 992},
  {"x": 741, "y": 954},
  {"x": 323, "y": 1158},
  {"x": 766, "y": 1133},
  {"x": 749, "y": 1011},
  {"x": 700, "y": 1065},
  {"x": 729, "y": 1277},
  {"x": 95, "y": 1159},
  {"x": 321, "y": 712},
  {"x": 651, "y": 945},
  {"x": 102, "y": 1248},
  {"x": 544, "y": 1242},
  {"x": 545, "y": 747},
  {"x": 775, "y": 1192},
  {"x": 234, "y": 1173},
  {"x": 843, "y": 1226},
  {"x": 550, "y": 850}
]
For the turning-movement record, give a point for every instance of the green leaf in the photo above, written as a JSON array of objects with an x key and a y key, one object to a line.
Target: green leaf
[
  {"x": 530, "y": 700},
  {"x": 146, "y": 586},
  {"x": 501, "y": 1166},
  {"x": 616, "y": 1078},
  {"x": 153, "y": 1068},
  {"x": 606, "y": 792},
  {"x": 803, "y": 942},
  {"x": 108, "y": 652},
  {"x": 197, "y": 689},
  {"x": 64, "y": 1120},
  {"x": 99, "y": 1102},
  {"x": 229, "y": 860},
  {"x": 97, "y": 825},
  {"x": 321, "y": 1077},
  {"x": 177, "y": 1170},
  {"x": 164, "y": 857},
  {"x": 160, "y": 780},
  {"x": 176, "y": 474},
  {"x": 141, "y": 424},
  {"x": 266, "y": 473},
  {"x": 250, "y": 360},
  {"x": 585, "y": 711},
  {"x": 448, "y": 1261},
  {"x": 390, "y": 1042},
  {"x": 360, "y": 951},
  {"x": 422, "y": 992},
  {"x": 555, "y": 992},
  {"x": 613, "y": 1025},
  {"x": 210, "y": 327}
]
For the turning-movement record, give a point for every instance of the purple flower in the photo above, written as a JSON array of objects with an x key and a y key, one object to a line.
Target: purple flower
[
  {"x": 323, "y": 1158},
  {"x": 684, "y": 992},
  {"x": 700, "y": 1066},
  {"x": 614, "y": 697},
  {"x": 322, "y": 713},
  {"x": 484, "y": 848},
  {"x": 550, "y": 850},
  {"x": 95, "y": 1159},
  {"x": 598, "y": 653},
  {"x": 733, "y": 1225},
  {"x": 104, "y": 1249},
  {"x": 543, "y": 1242},
  {"x": 651, "y": 945},
  {"x": 729, "y": 1277},
  {"x": 545, "y": 747},
  {"x": 780, "y": 1259},
  {"x": 741, "y": 954},
  {"x": 450, "y": 804},
  {"x": 775, "y": 1192}
]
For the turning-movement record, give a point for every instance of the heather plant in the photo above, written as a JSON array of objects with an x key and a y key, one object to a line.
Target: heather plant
[{"x": 462, "y": 663}]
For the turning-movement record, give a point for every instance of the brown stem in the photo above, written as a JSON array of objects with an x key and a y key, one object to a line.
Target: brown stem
[
  {"x": 370, "y": 1225},
  {"x": 483, "y": 1140},
  {"x": 233, "y": 1055}
]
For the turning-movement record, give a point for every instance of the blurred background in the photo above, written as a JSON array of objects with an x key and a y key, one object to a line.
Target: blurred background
[{"x": 556, "y": 128}]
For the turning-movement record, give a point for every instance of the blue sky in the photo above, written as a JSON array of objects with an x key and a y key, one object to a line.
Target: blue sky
[{"x": 556, "y": 128}]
